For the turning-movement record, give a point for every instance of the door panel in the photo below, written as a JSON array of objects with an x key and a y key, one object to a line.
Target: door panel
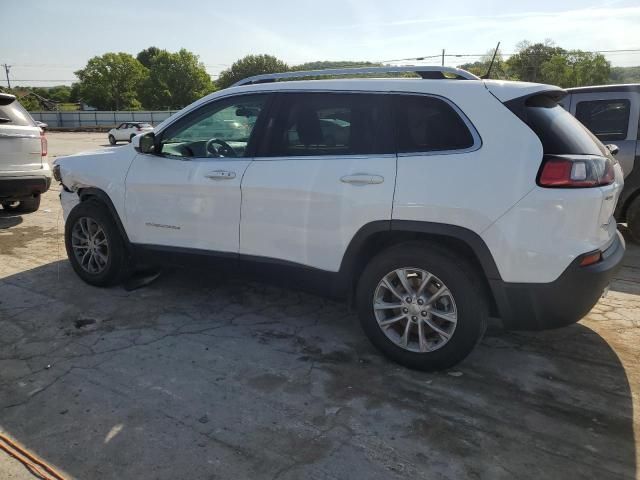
[
  {"x": 188, "y": 195},
  {"x": 326, "y": 170},
  {"x": 627, "y": 145},
  {"x": 298, "y": 209},
  {"x": 176, "y": 203}
]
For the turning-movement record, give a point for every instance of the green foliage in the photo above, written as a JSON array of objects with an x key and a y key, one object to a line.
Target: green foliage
[
  {"x": 575, "y": 69},
  {"x": 481, "y": 67},
  {"x": 146, "y": 56},
  {"x": 526, "y": 65},
  {"x": 248, "y": 66},
  {"x": 624, "y": 75},
  {"x": 110, "y": 82},
  {"x": 27, "y": 100},
  {"x": 175, "y": 79}
]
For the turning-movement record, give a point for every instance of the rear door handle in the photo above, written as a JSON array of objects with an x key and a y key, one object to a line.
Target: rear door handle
[
  {"x": 221, "y": 175},
  {"x": 362, "y": 179}
]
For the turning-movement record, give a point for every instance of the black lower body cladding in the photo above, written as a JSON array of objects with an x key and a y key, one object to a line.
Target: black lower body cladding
[
  {"x": 538, "y": 306},
  {"x": 23, "y": 187}
]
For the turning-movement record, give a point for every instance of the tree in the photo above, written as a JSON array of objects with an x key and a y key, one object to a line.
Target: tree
[
  {"x": 110, "y": 82},
  {"x": 175, "y": 79},
  {"x": 576, "y": 69},
  {"x": 526, "y": 65},
  {"x": 481, "y": 67},
  {"x": 146, "y": 56},
  {"x": 248, "y": 66}
]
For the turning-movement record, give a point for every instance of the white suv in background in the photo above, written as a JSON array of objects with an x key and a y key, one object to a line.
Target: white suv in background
[
  {"x": 127, "y": 130},
  {"x": 431, "y": 202},
  {"x": 24, "y": 169}
]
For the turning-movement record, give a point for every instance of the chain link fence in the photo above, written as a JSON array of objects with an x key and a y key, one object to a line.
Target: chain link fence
[{"x": 99, "y": 119}]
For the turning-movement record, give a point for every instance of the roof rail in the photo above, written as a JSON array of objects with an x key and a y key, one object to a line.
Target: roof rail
[{"x": 426, "y": 72}]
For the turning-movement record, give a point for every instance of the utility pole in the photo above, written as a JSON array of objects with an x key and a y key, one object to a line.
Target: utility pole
[
  {"x": 442, "y": 58},
  {"x": 6, "y": 71}
]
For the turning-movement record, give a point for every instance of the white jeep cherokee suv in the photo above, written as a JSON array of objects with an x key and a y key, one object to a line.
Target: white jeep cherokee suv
[{"x": 431, "y": 202}]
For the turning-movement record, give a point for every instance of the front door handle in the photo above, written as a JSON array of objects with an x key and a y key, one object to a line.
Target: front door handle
[
  {"x": 362, "y": 179},
  {"x": 221, "y": 175}
]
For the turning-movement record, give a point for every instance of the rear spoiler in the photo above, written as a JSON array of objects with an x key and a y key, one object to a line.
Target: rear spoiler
[
  {"x": 543, "y": 98},
  {"x": 6, "y": 99}
]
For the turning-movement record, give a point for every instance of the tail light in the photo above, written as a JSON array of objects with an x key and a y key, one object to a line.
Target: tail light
[
  {"x": 43, "y": 145},
  {"x": 575, "y": 171},
  {"x": 138, "y": 129}
]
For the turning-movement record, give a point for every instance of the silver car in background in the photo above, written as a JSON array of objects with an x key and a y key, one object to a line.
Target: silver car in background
[{"x": 24, "y": 168}]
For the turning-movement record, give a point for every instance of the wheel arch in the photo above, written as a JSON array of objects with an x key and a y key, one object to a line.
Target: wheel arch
[
  {"x": 377, "y": 236},
  {"x": 93, "y": 193}
]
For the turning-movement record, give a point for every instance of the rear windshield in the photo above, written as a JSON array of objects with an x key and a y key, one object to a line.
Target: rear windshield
[
  {"x": 558, "y": 130},
  {"x": 16, "y": 115}
]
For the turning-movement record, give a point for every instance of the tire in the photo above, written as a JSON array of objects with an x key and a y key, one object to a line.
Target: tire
[
  {"x": 29, "y": 205},
  {"x": 105, "y": 272},
  {"x": 463, "y": 299},
  {"x": 633, "y": 219},
  {"x": 131, "y": 138},
  {"x": 112, "y": 140}
]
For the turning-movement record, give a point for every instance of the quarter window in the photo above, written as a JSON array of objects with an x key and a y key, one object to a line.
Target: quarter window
[
  {"x": 607, "y": 119},
  {"x": 311, "y": 124},
  {"x": 220, "y": 129},
  {"x": 427, "y": 124}
]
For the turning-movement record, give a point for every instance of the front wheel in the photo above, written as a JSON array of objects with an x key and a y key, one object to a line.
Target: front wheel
[
  {"x": 94, "y": 244},
  {"x": 422, "y": 306}
]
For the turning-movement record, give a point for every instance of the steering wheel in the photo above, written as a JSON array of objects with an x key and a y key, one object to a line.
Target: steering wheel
[{"x": 224, "y": 150}]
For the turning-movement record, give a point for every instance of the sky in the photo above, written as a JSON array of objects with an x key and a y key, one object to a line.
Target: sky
[{"x": 50, "y": 39}]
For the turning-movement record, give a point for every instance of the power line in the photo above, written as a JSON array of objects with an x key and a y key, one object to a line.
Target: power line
[{"x": 424, "y": 57}]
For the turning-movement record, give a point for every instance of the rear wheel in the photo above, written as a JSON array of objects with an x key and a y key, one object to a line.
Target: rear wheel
[
  {"x": 94, "y": 244},
  {"x": 131, "y": 137},
  {"x": 112, "y": 140},
  {"x": 633, "y": 219},
  {"x": 422, "y": 306},
  {"x": 28, "y": 205}
]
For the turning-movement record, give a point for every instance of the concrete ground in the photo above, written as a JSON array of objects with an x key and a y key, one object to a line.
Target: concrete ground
[{"x": 202, "y": 375}]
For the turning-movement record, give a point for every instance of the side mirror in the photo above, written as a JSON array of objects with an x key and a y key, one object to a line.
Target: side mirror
[
  {"x": 613, "y": 149},
  {"x": 145, "y": 143}
]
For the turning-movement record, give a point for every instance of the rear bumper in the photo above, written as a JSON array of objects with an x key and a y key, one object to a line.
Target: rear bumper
[
  {"x": 538, "y": 306},
  {"x": 23, "y": 187}
]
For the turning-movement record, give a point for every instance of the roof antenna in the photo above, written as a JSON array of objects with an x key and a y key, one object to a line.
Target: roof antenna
[{"x": 486, "y": 75}]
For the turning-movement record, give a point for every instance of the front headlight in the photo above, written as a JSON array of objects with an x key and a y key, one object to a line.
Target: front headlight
[{"x": 56, "y": 173}]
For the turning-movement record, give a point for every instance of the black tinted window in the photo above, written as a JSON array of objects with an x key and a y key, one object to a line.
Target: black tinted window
[
  {"x": 607, "y": 119},
  {"x": 330, "y": 124},
  {"x": 427, "y": 124},
  {"x": 16, "y": 114},
  {"x": 558, "y": 130}
]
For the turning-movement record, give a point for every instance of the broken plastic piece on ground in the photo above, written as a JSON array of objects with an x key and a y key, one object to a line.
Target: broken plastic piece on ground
[{"x": 141, "y": 279}]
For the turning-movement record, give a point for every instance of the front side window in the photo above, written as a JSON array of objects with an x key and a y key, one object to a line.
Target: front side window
[
  {"x": 312, "y": 124},
  {"x": 607, "y": 119},
  {"x": 220, "y": 129},
  {"x": 429, "y": 124}
]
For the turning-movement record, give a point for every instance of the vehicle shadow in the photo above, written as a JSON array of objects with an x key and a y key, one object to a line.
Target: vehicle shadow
[
  {"x": 223, "y": 376},
  {"x": 9, "y": 219}
]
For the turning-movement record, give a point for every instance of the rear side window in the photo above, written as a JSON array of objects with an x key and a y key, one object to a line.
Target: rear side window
[
  {"x": 428, "y": 124},
  {"x": 607, "y": 119},
  {"x": 559, "y": 131},
  {"x": 311, "y": 124},
  {"x": 16, "y": 114}
]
